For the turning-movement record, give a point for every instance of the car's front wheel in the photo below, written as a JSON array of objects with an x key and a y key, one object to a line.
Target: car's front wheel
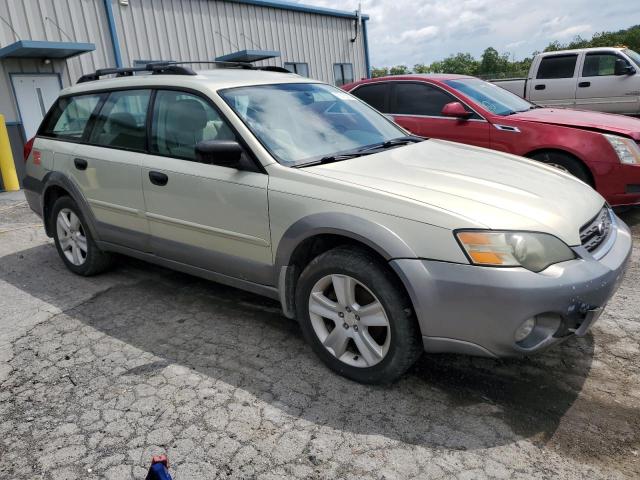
[
  {"x": 565, "y": 163},
  {"x": 73, "y": 240},
  {"x": 356, "y": 317}
]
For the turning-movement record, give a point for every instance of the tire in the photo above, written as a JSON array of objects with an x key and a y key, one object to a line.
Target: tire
[
  {"x": 388, "y": 327},
  {"x": 566, "y": 163},
  {"x": 74, "y": 242}
]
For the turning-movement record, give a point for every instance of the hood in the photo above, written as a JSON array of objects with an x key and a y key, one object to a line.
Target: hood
[
  {"x": 487, "y": 189},
  {"x": 602, "y": 122}
]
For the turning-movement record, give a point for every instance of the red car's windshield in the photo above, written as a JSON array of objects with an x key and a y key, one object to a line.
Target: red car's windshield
[{"x": 493, "y": 98}]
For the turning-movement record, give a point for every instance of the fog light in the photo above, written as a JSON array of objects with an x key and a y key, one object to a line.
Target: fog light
[{"x": 525, "y": 329}]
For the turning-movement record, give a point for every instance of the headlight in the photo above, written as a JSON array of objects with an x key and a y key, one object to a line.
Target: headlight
[
  {"x": 533, "y": 251},
  {"x": 627, "y": 150}
]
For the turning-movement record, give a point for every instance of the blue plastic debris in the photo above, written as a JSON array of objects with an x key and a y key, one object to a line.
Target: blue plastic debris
[{"x": 159, "y": 469}]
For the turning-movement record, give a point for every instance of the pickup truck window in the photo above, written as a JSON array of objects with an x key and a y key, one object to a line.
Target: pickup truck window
[
  {"x": 557, "y": 66},
  {"x": 495, "y": 99},
  {"x": 634, "y": 56},
  {"x": 599, "y": 64}
]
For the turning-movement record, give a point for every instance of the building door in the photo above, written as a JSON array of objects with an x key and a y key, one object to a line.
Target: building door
[{"x": 34, "y": 95}]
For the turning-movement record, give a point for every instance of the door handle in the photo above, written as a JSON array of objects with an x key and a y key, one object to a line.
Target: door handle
[
  {"x": 158, "y": 178},
  {"x": 80, "y": 163},
  {"x": 584, "y": 84},
  {"x": 541, "y": 86}
]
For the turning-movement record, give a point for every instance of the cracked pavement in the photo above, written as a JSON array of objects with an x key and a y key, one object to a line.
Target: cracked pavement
[{"x": 98, "y": 374}]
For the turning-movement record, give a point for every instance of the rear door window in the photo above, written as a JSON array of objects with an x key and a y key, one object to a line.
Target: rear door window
[
  {"x": 121, "y": 122},
  {"x": 420, "y": 99},
  {"x": 69, "y": 117},
  {"x": 557, "y": 66},
  {"x": 376, "y": 95}
]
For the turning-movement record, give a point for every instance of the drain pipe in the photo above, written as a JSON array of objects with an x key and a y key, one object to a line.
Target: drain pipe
[{"x": 114, "y": 34}]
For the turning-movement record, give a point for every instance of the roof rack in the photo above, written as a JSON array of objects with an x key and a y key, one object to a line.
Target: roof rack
[
  {"x": 171, "y": 68},
  {"x": 164, "y": 68},
  {"x": 224, "y": 64}
]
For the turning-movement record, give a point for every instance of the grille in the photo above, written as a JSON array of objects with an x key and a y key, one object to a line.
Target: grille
[{"x": 596, "y": 231}]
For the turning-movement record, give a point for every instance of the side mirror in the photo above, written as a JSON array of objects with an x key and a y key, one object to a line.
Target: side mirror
[
  {"x": 621, "y": 67},
  {"x": 224, "y": 153},
  {"x": 455, "y": 110}
]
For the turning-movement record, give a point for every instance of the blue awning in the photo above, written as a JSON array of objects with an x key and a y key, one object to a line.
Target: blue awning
[
  {"x": 45, "y": 49},
  {"x": 248, "y": 56}
]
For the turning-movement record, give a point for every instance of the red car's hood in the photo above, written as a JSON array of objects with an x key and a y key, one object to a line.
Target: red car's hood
[{"x": 603, "y": 122}]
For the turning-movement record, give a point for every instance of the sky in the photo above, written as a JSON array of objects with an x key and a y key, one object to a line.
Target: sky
[{"x": 422, "y": 31}]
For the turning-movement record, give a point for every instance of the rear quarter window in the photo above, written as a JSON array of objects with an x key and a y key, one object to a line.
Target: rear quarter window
[{"x": 69, "y": 117}]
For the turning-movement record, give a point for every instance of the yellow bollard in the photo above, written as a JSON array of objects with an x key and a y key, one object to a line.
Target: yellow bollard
[{"x": 7, "y": 167}]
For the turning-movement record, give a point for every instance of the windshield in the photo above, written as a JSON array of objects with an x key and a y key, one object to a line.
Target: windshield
[
  {"x": 635, "y": 56},
  {"x": 492, "y": 97},
  {"x": 302, "y": 122}
]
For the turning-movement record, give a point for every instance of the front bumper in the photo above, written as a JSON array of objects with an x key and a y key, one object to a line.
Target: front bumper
[
  {"x": 618, "y": 183},
  {"x": 477, "y": 310}
]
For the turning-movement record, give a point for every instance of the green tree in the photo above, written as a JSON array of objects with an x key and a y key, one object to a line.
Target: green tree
[
  {"x": 461, "y": 63},
  {"x": 421, "y": 68},
  {"x": 491, "y": 62},
  {"x": 379, "y": 72},
  {"x": 628, "y": 37},
  {"x": 399, "y": 70}
]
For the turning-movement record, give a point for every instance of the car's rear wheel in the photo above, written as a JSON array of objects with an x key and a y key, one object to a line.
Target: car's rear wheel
[
  {"x": 356, "y": 318},
  {"x": 565, "y": 163},
  {"x": 74, "y": 242}
]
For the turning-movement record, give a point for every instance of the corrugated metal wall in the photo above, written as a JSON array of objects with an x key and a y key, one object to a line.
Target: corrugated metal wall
[
  {"x": 205, "y": 29},
  {"x": 172, "y": 30}
]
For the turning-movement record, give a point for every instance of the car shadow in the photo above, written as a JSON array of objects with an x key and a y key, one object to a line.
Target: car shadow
[
  {"x": 630, "y": 216},
  {"x": 445, "y": 401}
]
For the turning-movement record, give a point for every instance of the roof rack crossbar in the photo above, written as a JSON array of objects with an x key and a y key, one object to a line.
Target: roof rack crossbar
[{"x": 225, "y": 64}]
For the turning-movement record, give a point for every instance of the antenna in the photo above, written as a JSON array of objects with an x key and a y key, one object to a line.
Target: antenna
[
  {"x": 59, "y": 27},
  {"x": 228, "y": 39},
  {"x": 358, "y": 21},
  {"x": 9, "y": 25},
  {"x": 251, "y": 40}
]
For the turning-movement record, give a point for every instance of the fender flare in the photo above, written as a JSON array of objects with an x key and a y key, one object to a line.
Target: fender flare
[
  {"x": 374, "y": 235},
  {"x": 59, "y": 179}
]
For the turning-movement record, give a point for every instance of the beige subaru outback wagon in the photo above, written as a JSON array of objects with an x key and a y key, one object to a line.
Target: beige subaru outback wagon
[{"x": 379, "y": 243}]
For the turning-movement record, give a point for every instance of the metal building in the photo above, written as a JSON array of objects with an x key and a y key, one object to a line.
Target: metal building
[{"x": 46, "y": 45}]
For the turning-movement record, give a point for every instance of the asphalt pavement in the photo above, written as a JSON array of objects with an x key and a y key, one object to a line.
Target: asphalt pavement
[{"x": 98, "y": 374}]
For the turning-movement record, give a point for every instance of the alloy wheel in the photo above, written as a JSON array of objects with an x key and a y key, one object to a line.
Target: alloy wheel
[
  {"x": 349, "y": 320},
  {"x": 71, "y": 236}
]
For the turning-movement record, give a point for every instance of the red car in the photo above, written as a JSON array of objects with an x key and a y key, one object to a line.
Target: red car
[{"x": 601, "y": 149}]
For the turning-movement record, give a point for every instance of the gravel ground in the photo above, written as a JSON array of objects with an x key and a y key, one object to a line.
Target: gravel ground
[{"x": 98, "y": 374}]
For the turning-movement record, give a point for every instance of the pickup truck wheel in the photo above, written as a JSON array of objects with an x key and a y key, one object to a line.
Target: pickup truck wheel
[
  {"x": 73, "y": 240},
  {"x": 356, "y": 319},
  {"x": 566, "y": 163}
]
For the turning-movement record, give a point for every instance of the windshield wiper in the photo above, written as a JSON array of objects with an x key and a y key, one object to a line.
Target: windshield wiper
[{"x": 396, "y": 142}]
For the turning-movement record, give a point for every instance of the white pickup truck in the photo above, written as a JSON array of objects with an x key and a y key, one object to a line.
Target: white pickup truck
[{"x": 603, "y": 79}]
